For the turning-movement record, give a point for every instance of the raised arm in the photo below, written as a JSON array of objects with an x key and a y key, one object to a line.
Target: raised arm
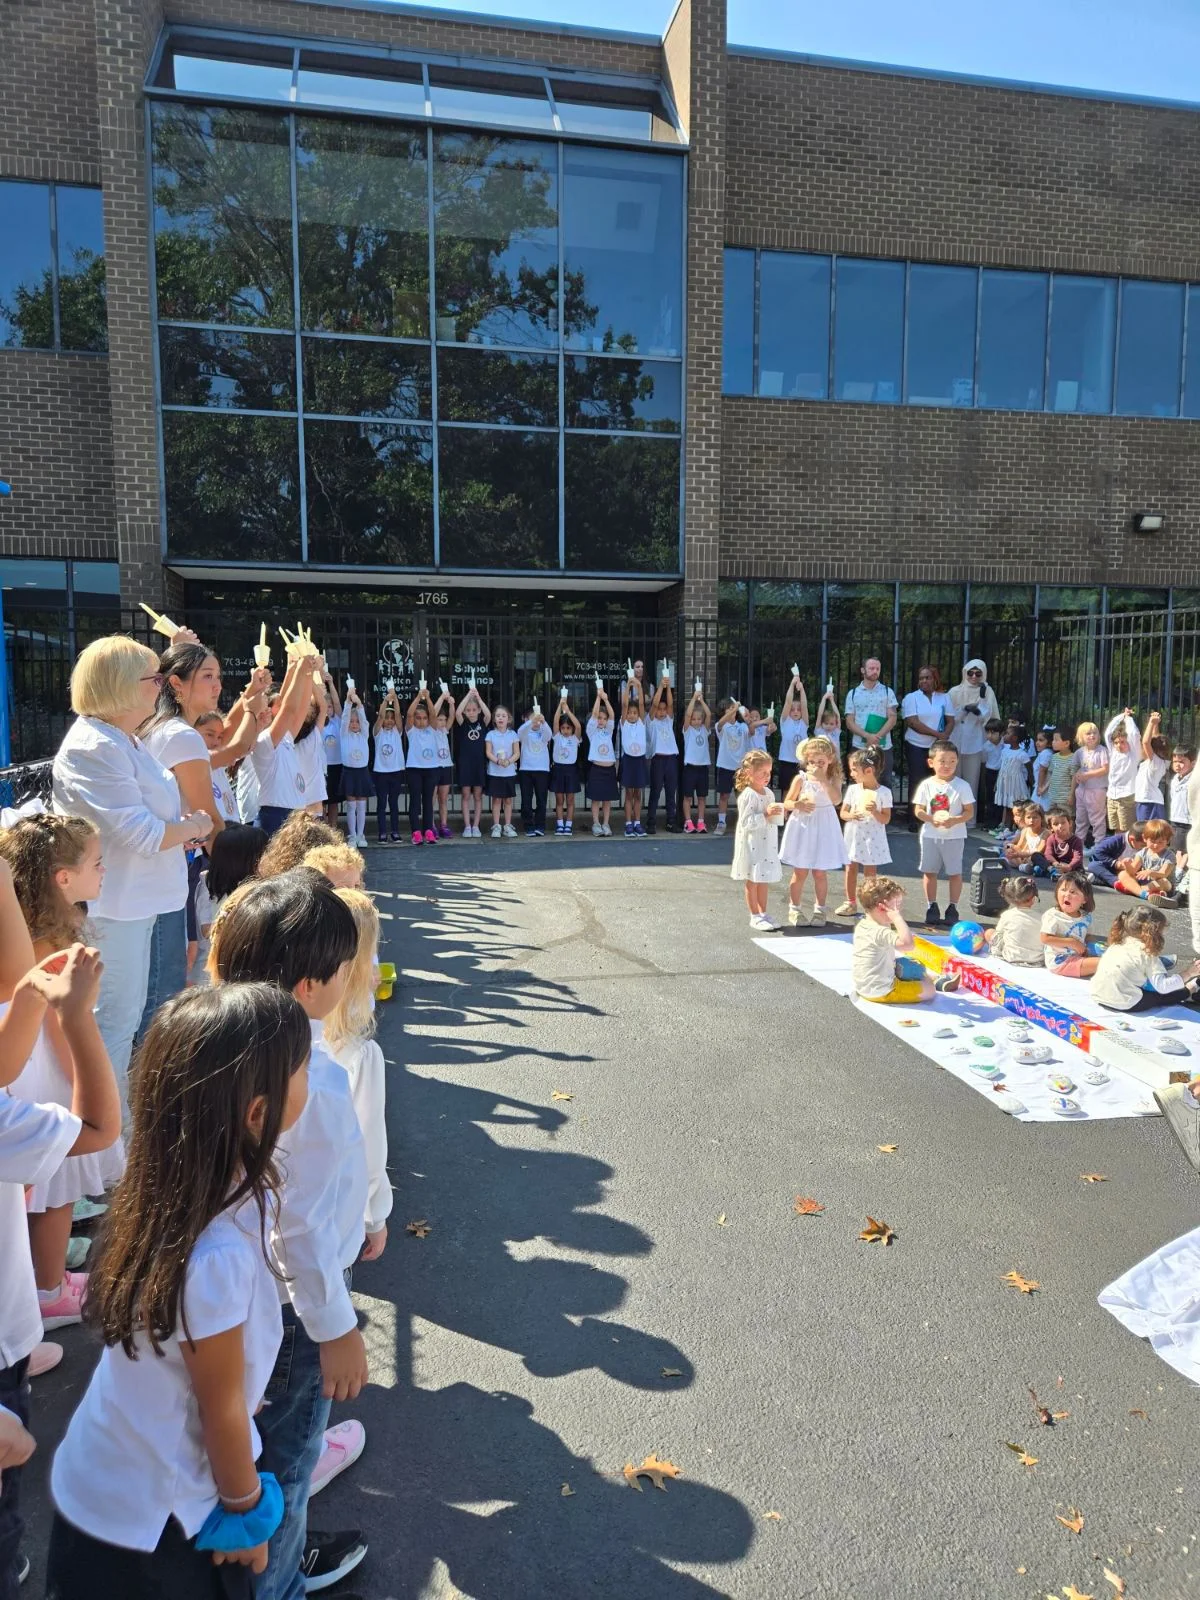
[{"x": 294, "y": 700}]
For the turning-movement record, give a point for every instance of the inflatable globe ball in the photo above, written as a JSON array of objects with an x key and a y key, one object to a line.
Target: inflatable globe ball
[{"x": 967, "y": 938}]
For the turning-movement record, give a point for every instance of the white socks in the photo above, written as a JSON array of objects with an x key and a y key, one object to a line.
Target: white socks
[{"x": 356, "y": 818}]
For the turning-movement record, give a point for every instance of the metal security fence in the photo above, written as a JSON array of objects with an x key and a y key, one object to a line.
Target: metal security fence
[{"x": 1053, "y": 669}]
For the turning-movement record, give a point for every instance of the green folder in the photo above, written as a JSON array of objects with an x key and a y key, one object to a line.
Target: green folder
[{"x": 873, "y": 723}]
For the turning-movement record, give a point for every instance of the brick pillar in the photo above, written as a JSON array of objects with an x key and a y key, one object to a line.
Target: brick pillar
[
  {"x": 126, "y": 31},
  {"x": 694, "y": 61}
]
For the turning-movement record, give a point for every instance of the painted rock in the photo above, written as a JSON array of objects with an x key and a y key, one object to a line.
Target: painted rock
[
  {"x": 1164, "y": 1024},
  {"x": 984, "y": 1043},
  {"x": 945, "y": 1033},
  {"x": 1173, "y": 1047},
  {"x": 1095, "y": 1077},
  {"x": 1063, "y": 1107},
  {"x": 1030, "y": 1055},
  {"x": 1009, "y": 1102},
  {"x": 986, "y": 1069},
  {"x": 1059, "y": 1083}
]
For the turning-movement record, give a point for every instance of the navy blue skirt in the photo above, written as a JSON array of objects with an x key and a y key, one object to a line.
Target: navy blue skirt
[
  {"x": 564, "y": 779},
  {"x": 358, "y": 783},
  {"x": 602, "y": 783},
  {"x": 635, "y": 772}
]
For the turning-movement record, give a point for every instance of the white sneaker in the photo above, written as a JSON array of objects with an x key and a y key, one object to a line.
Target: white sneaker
[
  {"x": 597, "y": 830},
  {"x": 606, "y": 830},
  {"x": 763, "y": 923},
  {"x": 795, "y": 917},
  {"x": 720, "y": 827},
  {"x": 497, "y": 831},
  {"x": 509, "y": 831},
  {"x": 817, "y": 920},
  {"x": 362, "y": 843}
]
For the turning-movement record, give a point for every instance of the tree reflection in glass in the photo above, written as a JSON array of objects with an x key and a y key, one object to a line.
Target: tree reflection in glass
[
  {"x": 622, "y": 504},
  {"x": 370, "y": 494},
  {"x": 499, "y": 498},
  {"x": 222, "y": 215},
  {"x": 232, "y": 487}
]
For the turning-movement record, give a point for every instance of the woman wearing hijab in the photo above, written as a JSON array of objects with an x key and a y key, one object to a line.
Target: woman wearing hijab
[{"x": 974, "y": 704}]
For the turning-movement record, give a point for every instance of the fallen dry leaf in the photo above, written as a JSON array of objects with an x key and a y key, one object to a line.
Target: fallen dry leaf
[
  {"x": 772, "y": 1516},
  {"x": 887, "y": 1149},
  {"x": 1117, "y": 1583},
  {"x": 418, "y": 1229},
  {"x": 721, "y": 1220},
  {"x": 1021, "y": 1454},
  {"x": 807, "y": 1208},
  {"x": 1094, "y": 1177},
  {"x": 651, "y": 1468},
  {"x": 1070, "y": 1592},
  {"x": 1025, "y": 1285},
  {"x": 877, "y": 1232},
  {"x": 1073, "y": 1523},
  {"x": 566, "y": 1490},
  {"x": 1060, "y": 1416},
  {"x": 672, "y": 1372},
  {"x": 561, "y": 1094},
  {"x": 1141, "y": 1414}
]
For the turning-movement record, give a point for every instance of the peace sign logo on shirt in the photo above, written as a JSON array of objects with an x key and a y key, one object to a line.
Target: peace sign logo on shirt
[
  {"x": 386, "y": 751},
  {"x": 300, "y": 783}
]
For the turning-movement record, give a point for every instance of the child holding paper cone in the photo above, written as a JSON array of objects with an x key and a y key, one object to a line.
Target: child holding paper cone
[{"x": 473, "y": 717}]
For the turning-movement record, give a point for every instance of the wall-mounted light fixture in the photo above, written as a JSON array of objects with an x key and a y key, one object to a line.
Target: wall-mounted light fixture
[{"x": 1147, "y": 522}]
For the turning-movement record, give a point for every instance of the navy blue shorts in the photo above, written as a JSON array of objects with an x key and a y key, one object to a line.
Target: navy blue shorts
[{"x": 695, "y": 782}]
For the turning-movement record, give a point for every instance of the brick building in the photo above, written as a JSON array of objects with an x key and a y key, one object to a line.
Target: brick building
[{"x": 352, "y": 300}]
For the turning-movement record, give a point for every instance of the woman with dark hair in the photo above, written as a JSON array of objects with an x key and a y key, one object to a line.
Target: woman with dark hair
[{"x": 927, "y": 715}]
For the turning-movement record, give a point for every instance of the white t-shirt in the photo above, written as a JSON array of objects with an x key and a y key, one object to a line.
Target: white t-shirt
[
  {"x": 535, "y": 746},
  {"x": 1123, "y": 764},
  {"x": 1124, "y": 970},
  {"x": 362, "y": 1060},
  {"x": 1177, "y": 806},
  {"x": 310, "y": 759},
  {"x": 1060, "y": 926},
  {"x": 1018, "y": 937},
  {"x": 633, "y": 738},
  {"x": 247, "y": 790},
  {"x": 422, "y": 749},
  {"x": 931, "y": 709},
  {"x": 356, "y": 748},
  {"x": 113, "y": 780},
  {"x": 175, "y": 741},
  {"x": 1147, "y": 787},
  {"x": 861, "y": 703},
  {"x": 331, "y": 739},
  {"x": 34, "y": 1141},
  {"x": 280, "y": 780},
  {"x": 223, "y": 795},
  {"x": 696, "y": 746},
  {"x": 441, "y": 745},
  {"x": 733, "y": 740},
  {"x": 873, "y": 958},
  {"x": 792, "y": 732},
  {"x": 660, "y": 737},
  {"x": 600, "y": 743},
  {"x": 323, "y": 1200},
  {"x": 504, "y": 742},
  {"x": 758, "y": 736},
  {"x": 134, "y": 1455},
  {"x": 948, "y": 795},
  {"x": 991, "y": 761},
  {"x": 389, "y": 749},
  {"x": 566, "y": 749}
]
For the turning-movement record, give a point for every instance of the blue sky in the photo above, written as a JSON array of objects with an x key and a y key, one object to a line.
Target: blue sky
[{"x": 1143, "y": 47}]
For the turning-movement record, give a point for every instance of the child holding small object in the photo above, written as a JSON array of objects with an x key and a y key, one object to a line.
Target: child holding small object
[
  {"x": 697, "y": 723},
  {"x": 423, "y": 763},
  {"x": 812, "y": 839},
  {"x": 1124, "y": 744},
  {"x": 881, "y": 971},
  {"x": 829, "y": 719},
  {"x": 760, "y": 727},
  {"x": 1026, "y": 853},
  {"x": 1017, "y": 936},
  {"x": 635, "y": 768},
  {"x": 1062, "y": 850},
  {"x": 1012, "y": 778},
  {"x": 443, "y": 716},
  {"x": 663, "y": 747},
  {"x": 356, "y": 780},
  {"x": 756, "y": 840},
  {"x": 1149, "y": 874},
  {"x": 503, "y": 758},
  {"x": 602, "y": 787},
  {"x": 944, "y": 805},
  {"x": 389, "y": 765},
  {"x": 866, "y": 811},
  {"x": 535, "y": 736},
  {"x": 473, "y": 718},
  {"x": 733, "y": 740},
  {"x": 1091, "y": 782},
  {"x": 1065, "y": 928},
  {"x": 793, "y": 730},
  {"x": 564, "y": 773},
  {"x": 1152, "y": 769},
  {"x": 1131, "y": 974}
]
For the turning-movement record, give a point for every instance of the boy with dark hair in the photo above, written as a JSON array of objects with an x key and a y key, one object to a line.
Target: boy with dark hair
[{"x": 943, "y": 805}]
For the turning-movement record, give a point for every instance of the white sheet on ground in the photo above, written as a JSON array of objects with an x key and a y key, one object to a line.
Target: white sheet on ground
[
  {"x": 826, "y": 959},
  {"x": 1159, "y": 1300}
]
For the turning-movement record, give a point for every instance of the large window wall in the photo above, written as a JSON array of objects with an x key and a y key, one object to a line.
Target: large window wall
[
  {"x": 52, "y": 286},
  {"x": 815, "y": 327},
  {"x": 398, "y": 346}
]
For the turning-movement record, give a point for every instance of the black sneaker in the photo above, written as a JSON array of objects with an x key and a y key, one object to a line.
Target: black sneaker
[
  {"x": 932, "y": 916},
  {"x": 951, "y": 916},
  {"x": 328, "y": 1557}
]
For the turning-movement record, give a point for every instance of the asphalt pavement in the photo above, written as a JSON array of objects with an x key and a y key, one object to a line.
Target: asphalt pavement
[{"x": 604, "y": 1099}]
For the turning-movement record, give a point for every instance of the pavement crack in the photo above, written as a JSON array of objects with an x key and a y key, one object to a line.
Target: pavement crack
[{"x": 593, "y": 933}]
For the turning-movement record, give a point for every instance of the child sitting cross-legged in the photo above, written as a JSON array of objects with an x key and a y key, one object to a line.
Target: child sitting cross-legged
[
  {"x": 881, "y": 970},
  {"x": 1103, "y": 860},
  {"x": 1063, "y": 850},
  {"x": 1017, "y": 936},
  {"x": 1150, "y": 873}
]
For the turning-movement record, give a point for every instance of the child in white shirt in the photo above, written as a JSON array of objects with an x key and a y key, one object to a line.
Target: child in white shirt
[
  {"x": 1179, "y": 813},
  {"x": 733, "y": 740},
  {"x": 1017, "y": 936},
  {"x": 1124, "y": 753},
  {"x": 943, "y": 805},
  {"x": 1152, "y": 769}
]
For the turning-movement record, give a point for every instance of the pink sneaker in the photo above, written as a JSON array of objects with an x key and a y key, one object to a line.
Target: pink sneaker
[
  {"x": 430, "y": 836},
  {"x": 342, "y": 1447},
  {"x": 44, "y": 1357},
  {"x": 700, "y": 828},
  {"x": 418, "y": 838},
  {"x": 689, "y": 826},
  {"x": 66, "y": 1309}
]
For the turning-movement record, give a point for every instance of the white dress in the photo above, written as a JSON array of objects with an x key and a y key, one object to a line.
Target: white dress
[
  {"x": 813, "y": 839},
  {"x": 866, "y": 841},
  {"x": 42, "y": 1079},
  {"x": 756, "y": 841},
  {"x": 1012, "y": 780}
]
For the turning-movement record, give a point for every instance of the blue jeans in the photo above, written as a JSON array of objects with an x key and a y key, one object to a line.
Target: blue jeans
[
  {"x": 292, "y": 1425},
  {"x": 168, "y": 962}
]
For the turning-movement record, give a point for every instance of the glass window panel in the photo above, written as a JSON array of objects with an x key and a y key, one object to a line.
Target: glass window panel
[
  {"x": 1150, "y": 349},
  {"x": 634, "y": 396},
  {"x": 82, "y": 314},
  {"x": 1185, "y": 599},
  {"x": 1072, "y": 602},
  {"x": 869, "y": 332},
  {"x": 932, "y": 603},
  {"x": 1001, "y": 602},
  {"x": 622, "y": 504},
  {"x": 33, "y": 577},
  {"x": 394, "y": 86},
  {"x": 363, "y": 227},
  {"x": 787, "y": 600},
  {"x": 793, "y": 326},
  {"x": 495, "y": 240},
  {"x": 1122, "y": 600},
  {"x": 235, "y": 370},
  {"x": 96, "y": 578},
  {"x": 26, "y": 284},
  {"x": 623, "y": 251},
  {"x": 733, "y": 598},
  {"x": 1191, "y": 375},
  {"x": 608, "y": 109},
  {"x": 941, "y": 336},
  {"x": 499, "y": 498},
  {"x": 1083, "y": 316},
  {"x": 370, "y": 494},
  {"x": 359, "y": 378},
  {"x": 232, "y": 487},
  {"x": 222, "y": 215},
  {"x": 497, "y": 386},
  {"x": 497, "y": 98},
  {"x": 738, "y": 373},
  {"x": 254, "y": 71},
  {"x": 1012, "y": 340}
]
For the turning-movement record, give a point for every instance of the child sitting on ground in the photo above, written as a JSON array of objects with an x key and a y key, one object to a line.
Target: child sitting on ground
[
  {"x": 233, "y": 859},
  {"x": 1062, "y": 850},
  {"x": 1131, "y": 975},
  {"x": 881, "y": 972},
  {"x": 1150, "y": 873},
  {"x": 342, "y": 864},
  {"x": 300, "y": 833},
  {"x": 1025, "y": 853},
  {"x": 1065, "y": 928},
  {"x": 1017, "y": 936},
  {"x": 1103, "y": 860}
]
